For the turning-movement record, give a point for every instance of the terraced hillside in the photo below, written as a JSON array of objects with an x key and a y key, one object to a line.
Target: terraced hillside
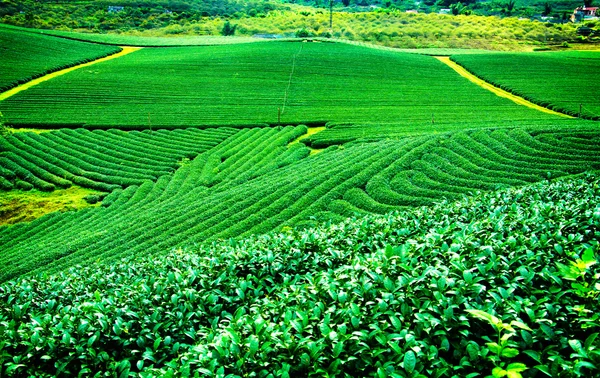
[
  {"x": 253, "y": 183},
  {"x": 102, "y": 160},
  {"x": 258, "y": 83},
  {"x": 418, "y": 292},
  {"x": 27, "y": 55},
  {"x": 178, "y": 270},
  {"x": 557, "y": 80}
]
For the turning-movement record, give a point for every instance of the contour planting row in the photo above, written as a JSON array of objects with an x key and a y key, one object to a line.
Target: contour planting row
[
  {"x": 162, "y": 206},
  {"x": 557, "y": 80},
  {"x": 167, "y": 191},
  {"x": 102, "y": 160},
  {"x": 252, "y": 183},
  {"x": 339, "y": 133},
  {"x": 258, "y": 83},
  {"x": 183, "y": 211},
  {"x": 26, "y": 56},
  {"x": 459, "y": 164},
  {"x": 424, "y": 292}
]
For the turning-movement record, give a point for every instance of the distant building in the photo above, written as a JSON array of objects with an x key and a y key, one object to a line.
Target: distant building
[
  {"x": 585, "y": 13},
  {"x": 445, "y": 11},
  {"x": 115, "y": 9},
  {"x": 414, "y": 11}
]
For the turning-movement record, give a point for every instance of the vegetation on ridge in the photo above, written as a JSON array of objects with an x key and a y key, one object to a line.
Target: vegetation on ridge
[
  {"x": 401, "y": 295},
  {"x": 299, "y": 83},
  {"x": 558, "y": 81}
]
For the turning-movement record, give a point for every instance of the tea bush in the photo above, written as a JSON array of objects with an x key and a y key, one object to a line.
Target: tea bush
[
  {"x": 407, "y": 294},
  {"x": 252, "y": 182},
  {"x": 557, "y": 80},
  {"x": 26, "y": 56}
]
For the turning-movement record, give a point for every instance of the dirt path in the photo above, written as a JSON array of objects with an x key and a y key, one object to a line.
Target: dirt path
[
  {"x": 29, "y": 84},
  {"x": 311, "y": 131},
  {"x": 499, "y": 92}
]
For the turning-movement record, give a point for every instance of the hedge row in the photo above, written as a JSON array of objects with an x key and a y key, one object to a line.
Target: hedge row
[
  {"x": 461, "y": 289},
  {"x": 101, "y": 160},
  {"x": 240, "y": 188}
]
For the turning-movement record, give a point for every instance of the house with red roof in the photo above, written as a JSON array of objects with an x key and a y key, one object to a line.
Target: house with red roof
[{"x": 585, "y": 13}]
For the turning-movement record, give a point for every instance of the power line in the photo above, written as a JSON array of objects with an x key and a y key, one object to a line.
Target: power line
[{"x": 287, "y": 90}]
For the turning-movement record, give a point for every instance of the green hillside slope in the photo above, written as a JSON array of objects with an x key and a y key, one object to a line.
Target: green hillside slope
[
  {"x": 370, "y": 297},
  {"x": 26, "y": 56},
  {"x": 558, "y": 80},
  {"x": 253, "y": 183},
  {"x": 262, "y": 83}
]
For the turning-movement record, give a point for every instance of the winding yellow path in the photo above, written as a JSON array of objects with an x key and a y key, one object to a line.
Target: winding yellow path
[
  {"x": 311, "y": 131},
  {"x": 499, "y": 92},
  {"x": 29, "y": 84}
]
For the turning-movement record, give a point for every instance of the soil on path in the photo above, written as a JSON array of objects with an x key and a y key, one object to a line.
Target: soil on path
[{"x": 499, "y": 92}]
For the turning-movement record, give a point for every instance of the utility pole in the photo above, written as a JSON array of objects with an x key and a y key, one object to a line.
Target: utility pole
[{"x": 331, "y": 15}]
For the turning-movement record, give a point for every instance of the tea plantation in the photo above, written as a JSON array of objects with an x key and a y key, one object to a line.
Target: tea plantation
[
  {"x": 262, "y": 83},
  {"x": 560, "y": 81},
  {"x": 506, "y": 281},
  {"x": 431, "y": 229},
  {"x": 252, "y": 183},
  {"x": 26, "y": 56}
]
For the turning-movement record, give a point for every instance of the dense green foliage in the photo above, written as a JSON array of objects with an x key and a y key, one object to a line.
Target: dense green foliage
[
  {"x": 26, "y": 56},
  {"x": 299, "y": 82},
  {"x": 253, "y": 183},
  {"x": 403, "y": 295},
  {"x": 138, "y": 39},
  {"x": 386, "y": 23},
  {"x": 124, "y": 14},
  {"x": 560, "y": 81},
  {"x": 102, "y": 160}
]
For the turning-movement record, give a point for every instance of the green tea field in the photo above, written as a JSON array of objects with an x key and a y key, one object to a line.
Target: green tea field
[
  {"x": 299, "y": 83},
  {"x": 529, "y": 75},
  {"x": 296, "y": 209},
  {"x": 26, "y": 55}
]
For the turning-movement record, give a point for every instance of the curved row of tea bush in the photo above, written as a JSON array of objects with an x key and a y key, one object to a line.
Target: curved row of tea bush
[
  {"x": 173, "y": 209},
  {"x": 556, "y": 80},
  {"x": 26, "y": 56},
  {"x": 463, "y": 163},
  {"x": 340, "y": 133},
  {"x": 506, "y": 282},
  {"x": 253, "y": 183},
  {"x": 102, "y": 160},
  {"x": 262, "y": 83}
]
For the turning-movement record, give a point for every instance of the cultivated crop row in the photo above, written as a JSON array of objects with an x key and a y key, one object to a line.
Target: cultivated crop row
[
  {"x": 252, "y": 183},
  {"x": 502, "y": 282},
  {"x": 559, "y": 81},
  {"x": 26, "y": 56},
  {"x": 339, "y": 133},
  {"x": 258, "y": 83},
  {"x": 102, "y": 160}
]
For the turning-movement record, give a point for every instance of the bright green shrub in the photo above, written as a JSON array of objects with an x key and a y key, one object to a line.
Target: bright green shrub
[
  {"x": 26, "y": 56},
  {"x": 393, "y": 295},
  {"x": 556, "y": 80}
]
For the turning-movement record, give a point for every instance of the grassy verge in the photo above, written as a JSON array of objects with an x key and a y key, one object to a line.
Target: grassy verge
[{"x": 20, "y": 206}]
